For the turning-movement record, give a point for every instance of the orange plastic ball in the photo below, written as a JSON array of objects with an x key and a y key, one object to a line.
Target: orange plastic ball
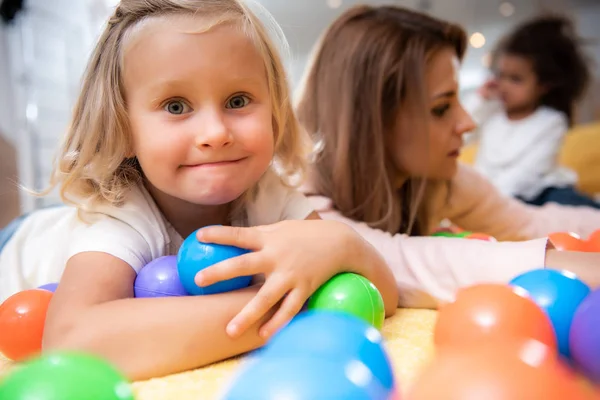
[
  {"x": 593, "y": 242},
  {"x": 567, "y": 241},
  {"x": 487, "y": 311},
  {"x": 515, "y": 369},
  {"x": 22, "y": 319}
]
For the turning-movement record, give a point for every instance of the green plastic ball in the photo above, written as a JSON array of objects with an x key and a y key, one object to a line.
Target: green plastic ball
[
  {"x": 452, "y": 234},
  {"x": 65, "y": 376},
  {"x": 353, "y": 294}
]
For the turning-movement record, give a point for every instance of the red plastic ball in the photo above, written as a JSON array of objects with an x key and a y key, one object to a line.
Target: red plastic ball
[
  {"x": 512, "y": 369},
  {"x": 489, "y": 311},
  {"x": 567, "y": 241},
  {"x": 22, "y": 319},
  {"x": 481, "y": 236}
]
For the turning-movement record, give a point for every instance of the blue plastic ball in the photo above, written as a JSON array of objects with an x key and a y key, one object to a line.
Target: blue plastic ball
[
  {"x": 194, "y": 256},
  {"x": 558, "y": 293},
  {"x": 305, "y": 378},
  {"x": 334, "y": 336}
]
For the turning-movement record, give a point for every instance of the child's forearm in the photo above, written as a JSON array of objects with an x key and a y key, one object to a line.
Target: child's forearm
[{"x": 147, "y": 338}]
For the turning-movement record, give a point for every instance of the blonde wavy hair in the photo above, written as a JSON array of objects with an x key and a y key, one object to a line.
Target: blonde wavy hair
[{"x": 93, "y": 164}]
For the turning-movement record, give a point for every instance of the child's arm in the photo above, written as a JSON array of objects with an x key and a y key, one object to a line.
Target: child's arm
[
  {"x": 92, "y": 310},
  {"x": 483, "y": 103},
  {"x": 296, "y": 258}
]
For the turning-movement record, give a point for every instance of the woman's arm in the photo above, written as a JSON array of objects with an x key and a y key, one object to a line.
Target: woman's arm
[
  {"x": 475, "y": 204},
  {"x": 92, "y": 311},
  {"x": 585, "y": 265},
  {"x": 429, "y": 270}
]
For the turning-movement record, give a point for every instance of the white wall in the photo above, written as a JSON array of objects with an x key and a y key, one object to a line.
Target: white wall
[
  {"x": 7, "y": 122},
  {"x": 45, "y": 52}
]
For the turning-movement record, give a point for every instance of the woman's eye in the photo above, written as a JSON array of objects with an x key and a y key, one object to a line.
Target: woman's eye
[
  {"x": 238, "y": 101},
  {"x": 176, "y": 107},
  {"x": 440, "y": 110}
]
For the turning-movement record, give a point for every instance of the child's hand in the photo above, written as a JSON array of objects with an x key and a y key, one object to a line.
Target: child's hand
[
  {"x": 296, "y": 257},
  {"x": 489, "y": 90}
]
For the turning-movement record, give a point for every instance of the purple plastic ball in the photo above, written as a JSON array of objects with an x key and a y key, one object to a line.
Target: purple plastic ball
[
  {"x": 159, "y": 278},
  {"x": 584, "y": 338},
  {"x": 51, "y": 287}
]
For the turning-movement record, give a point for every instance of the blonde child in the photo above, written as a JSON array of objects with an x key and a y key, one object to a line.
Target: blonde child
[
  {"x": 381, "y": 98},
  {"x": 183, "y": 115}
]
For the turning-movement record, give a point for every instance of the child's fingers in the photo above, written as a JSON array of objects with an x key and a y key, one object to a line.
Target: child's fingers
[
  {"x": 245, "y": 265},
  {"x": 290, "y": 307},
  {"x": 269, "y": 295},
  {"x": 245, "y": 238}
]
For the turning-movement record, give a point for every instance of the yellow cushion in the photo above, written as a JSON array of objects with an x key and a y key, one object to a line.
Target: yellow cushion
[
  {"x": 409, "y": 341},
  {"x": 580, "y": 152}
]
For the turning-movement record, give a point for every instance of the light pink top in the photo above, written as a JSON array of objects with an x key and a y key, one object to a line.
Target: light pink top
[{"x": 429, "y": 270}]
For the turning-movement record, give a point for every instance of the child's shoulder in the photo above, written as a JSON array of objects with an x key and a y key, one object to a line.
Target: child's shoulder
[{"x": 548, "y": 115}]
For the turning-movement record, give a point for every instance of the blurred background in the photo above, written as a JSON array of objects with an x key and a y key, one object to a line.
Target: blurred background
[{"x": 44, "y": 45}]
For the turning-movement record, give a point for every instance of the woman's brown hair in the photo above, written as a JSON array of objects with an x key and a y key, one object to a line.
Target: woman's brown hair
[{"x": 369, "y": 63}]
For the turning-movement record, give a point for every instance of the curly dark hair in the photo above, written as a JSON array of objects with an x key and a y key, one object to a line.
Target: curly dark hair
[{"x": 555, "y": 50}]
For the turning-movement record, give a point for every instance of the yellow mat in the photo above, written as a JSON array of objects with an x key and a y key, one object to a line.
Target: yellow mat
[{"x": 408, "y": 339}]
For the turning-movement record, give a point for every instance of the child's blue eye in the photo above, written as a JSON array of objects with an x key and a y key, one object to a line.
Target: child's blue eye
[
  {"x": 238, "y": 101},
  {"x": 176, "y": 107}
]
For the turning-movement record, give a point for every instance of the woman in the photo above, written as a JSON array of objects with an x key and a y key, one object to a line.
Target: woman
[{"x": 381, "y": 99}]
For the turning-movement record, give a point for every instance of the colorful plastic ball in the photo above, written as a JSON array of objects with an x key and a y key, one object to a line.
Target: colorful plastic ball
[
  {"x": 452, "y": 234},
  {"x": 593, "y": 242},
  {"x": 511, "y": 369},
  {"x": 481, "y": 236},
  {"x": 194, "y": 256},
  {"x": 65, "y": 376},
  {"x": 567, "y": 241},
  {"x": 159, "y": 278},
  {"x": 488, "y": 311},
  {"x": 334, "y": 336},
  {"x": 558, "y": 293},
  {"x": 351, "y": 293},
  {"x": 51, "y": 287},
  {"x": 305, "y": 378},
  {"x": 584, "y": 338},
  {"x": 22, "y": 320}
]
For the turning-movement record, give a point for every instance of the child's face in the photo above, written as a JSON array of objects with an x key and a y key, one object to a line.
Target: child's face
[
  {"x": 433, "y": 154},
  {"x": 517, "y": 83},
  {"x": 200, "y": 110}
]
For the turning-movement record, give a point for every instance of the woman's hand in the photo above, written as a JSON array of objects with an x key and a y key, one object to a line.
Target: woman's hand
[{"x": 296, "y": 258}]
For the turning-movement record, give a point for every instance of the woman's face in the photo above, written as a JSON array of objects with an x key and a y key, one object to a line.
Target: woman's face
[{"x": 432, "y": 154}]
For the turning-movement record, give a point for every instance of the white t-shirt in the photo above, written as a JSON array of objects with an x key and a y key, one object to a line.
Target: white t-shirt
[
  {"x": 136, "y": 232},
  {"x": 520, "y": 157}
]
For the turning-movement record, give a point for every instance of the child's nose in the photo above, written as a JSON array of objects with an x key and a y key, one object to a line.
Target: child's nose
[{"x": 213, "y": 132}]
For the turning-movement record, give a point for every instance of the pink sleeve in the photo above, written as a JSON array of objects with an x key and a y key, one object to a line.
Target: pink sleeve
[
  {"x": 474, "y": 204},
  {"x": 429, "y": 270}
]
